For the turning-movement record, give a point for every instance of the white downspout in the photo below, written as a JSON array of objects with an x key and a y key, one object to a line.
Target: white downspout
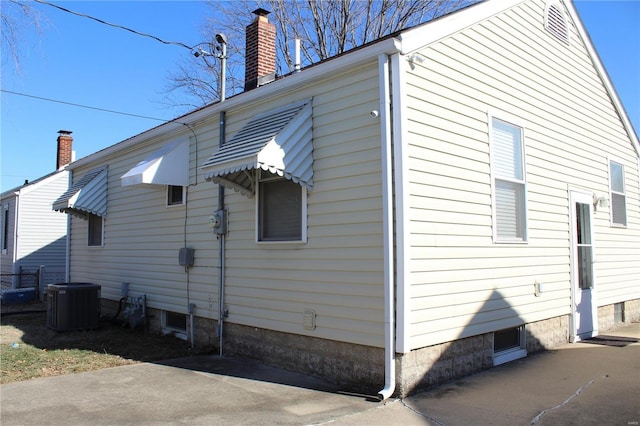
[
  {"x": 67, "y": 259},
  {"x": 387, "y": 219}
]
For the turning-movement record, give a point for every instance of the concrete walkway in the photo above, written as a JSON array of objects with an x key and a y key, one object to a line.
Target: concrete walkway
[{"x": 580, "y": 383}]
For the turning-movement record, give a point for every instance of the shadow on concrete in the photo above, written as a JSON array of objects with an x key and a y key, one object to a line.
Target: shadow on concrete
[
  {"x": 245, "y": 368},
  {"x": 577, "y": 384},
  {"x": 472, "y": 350}
]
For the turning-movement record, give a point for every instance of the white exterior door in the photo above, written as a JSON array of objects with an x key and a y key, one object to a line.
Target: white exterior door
[{"x": 585, "y": 314}]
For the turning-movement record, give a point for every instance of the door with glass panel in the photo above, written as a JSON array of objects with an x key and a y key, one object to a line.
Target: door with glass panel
[{"x": 585, "y": 320}]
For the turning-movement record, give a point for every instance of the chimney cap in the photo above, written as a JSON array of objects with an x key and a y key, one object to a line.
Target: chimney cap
[
  {"x": 65, "y": 132},
  {"x": 261, "y": 12}
]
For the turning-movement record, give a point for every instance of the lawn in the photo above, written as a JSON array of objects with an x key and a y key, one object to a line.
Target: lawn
[{"x": 29, "y": 349}]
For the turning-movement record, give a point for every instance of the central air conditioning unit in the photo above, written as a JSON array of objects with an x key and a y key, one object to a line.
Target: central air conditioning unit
[{"x": 73, "y": 306}]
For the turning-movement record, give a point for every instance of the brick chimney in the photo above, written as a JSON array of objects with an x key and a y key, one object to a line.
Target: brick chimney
[
  {"x": 260, "y": 65},
  {"x": 65, "y": 151}
]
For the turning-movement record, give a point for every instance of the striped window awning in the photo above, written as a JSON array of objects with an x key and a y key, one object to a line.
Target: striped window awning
[
  {"x": 279, "y": 141},
  {"x": 167, "y": 166},
  {"x": 87, "y": 196}
]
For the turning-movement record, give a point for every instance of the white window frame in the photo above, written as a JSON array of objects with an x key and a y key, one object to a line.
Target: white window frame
[
  {"x": 5, "y": 229},
  {"x": 514, "y": 122},
  {"x": 179, "y": 332},
  {"x": 514, "y": 353},
  {"x": 89, "y": 231},
  {"x": 612, "y": 192},
  {"x": 182, "y": 200},
  {"x": 303, "y": 220}
]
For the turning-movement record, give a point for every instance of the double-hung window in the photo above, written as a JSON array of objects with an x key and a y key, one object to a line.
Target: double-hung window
[
  {"x": 281, "y": 209},
  {"x": 509, "y": 185},
  {"x": 618, "y": 197}
]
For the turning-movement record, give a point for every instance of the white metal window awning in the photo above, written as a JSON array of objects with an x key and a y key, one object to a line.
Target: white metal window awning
[
  {"x": 279, "y": 141},
  {"x": 87, "y": 196},
  {"x": 167, "y": 166}
]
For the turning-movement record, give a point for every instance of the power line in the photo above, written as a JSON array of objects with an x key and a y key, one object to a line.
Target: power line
[
  {"x": 83, "y": 106},
  {"x": 177, "y": 43}
]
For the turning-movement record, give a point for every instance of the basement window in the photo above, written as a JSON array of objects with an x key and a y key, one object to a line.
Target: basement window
[
  {"x": 174, "y": 323},
  {"x": 508, "y": 345},
  {"x": 618, "y": 313}
]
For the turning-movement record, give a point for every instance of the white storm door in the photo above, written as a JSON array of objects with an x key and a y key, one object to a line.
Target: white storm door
[{"x": 585, "y": 319}]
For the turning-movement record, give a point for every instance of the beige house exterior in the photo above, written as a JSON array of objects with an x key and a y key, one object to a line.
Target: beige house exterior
[{"x": 440, "y": 201}]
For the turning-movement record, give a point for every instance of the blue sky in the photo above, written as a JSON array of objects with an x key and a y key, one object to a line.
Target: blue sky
[{"x": 80, "y": 61}]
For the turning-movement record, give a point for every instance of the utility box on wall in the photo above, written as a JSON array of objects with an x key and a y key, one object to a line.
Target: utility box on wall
[
  {"x": 73, "y": 306},
  {"x": 186, "y": 256}
]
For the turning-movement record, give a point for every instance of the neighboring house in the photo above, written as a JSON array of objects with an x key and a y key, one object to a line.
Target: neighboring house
[
  {"x": 412, "y": 211},
  {"x": 34, "y": 236}
]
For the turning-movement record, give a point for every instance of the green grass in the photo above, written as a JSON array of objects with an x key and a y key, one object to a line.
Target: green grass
[{"x": 29, "y": 349}]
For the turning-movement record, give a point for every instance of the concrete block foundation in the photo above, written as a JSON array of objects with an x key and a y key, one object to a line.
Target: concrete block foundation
[{"x": 361, "y": 368}]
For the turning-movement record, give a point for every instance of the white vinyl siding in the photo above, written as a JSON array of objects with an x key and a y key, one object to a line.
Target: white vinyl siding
[
  {"x": 618, "y": 197},
  {"x": 36, "y": 233},
  {"x": 509, "y": 190},
  {"x": 461, "y": 283},
  {"x": 338, "y": 273}
]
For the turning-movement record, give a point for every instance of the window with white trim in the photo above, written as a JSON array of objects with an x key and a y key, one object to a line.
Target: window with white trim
[
  {"x": 95, "y": 231},
  {"x": 618, "y": 197},
  {"x": 509, "y": 185},
  {"x": 175, "y": 195},
  {"x": 174, "y": 323},
  {"x": 509, "y": 344},
  {"x": 281, "y": 209}
]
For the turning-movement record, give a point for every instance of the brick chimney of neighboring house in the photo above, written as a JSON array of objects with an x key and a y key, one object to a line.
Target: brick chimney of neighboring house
[
  {"x": 260, "y": 65},
  {"x": 65, "y": 151}
]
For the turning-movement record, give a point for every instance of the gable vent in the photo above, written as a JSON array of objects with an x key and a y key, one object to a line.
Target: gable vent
[{"x": 555, "y": 21}]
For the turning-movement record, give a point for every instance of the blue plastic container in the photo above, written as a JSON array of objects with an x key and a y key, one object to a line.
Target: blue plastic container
[{"x": 18, "y": 295}]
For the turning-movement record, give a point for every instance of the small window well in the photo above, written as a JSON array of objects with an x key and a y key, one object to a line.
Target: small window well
[
  {"x": 555, "y": 22},
  {"x": 509, "y": 345}
]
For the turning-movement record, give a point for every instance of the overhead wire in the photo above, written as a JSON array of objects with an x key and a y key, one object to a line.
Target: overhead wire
[
  {"x": 177, "y": 43},
  {"x": 83, "y": 106}
]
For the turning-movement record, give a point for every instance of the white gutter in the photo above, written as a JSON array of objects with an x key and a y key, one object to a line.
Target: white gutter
[{"x": 387, "y": 220}]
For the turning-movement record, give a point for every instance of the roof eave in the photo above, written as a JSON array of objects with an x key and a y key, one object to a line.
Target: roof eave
[
  {"x": 602, "y": 71},
  {"x": 291, "y": 82},
  {"x": 417, "y": 38}
]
